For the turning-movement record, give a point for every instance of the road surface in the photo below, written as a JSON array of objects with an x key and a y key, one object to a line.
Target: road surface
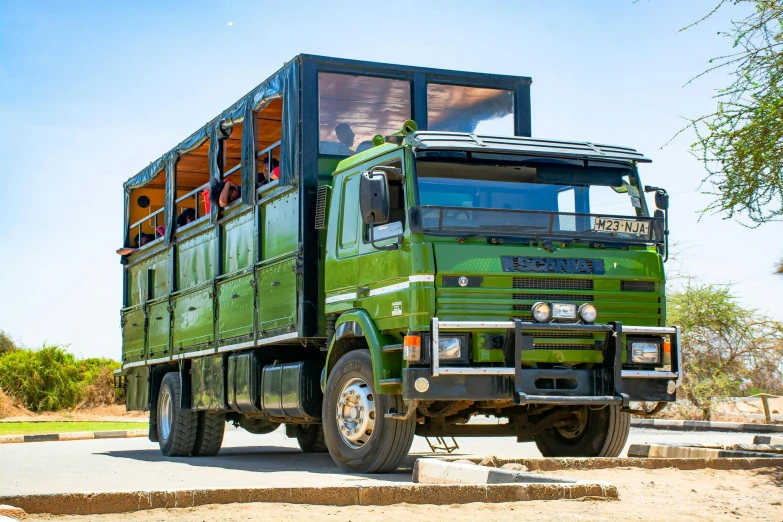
[{"x": 246, "y": 460}]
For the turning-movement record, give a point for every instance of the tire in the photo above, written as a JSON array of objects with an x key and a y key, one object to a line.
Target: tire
[
  {"x": 599, "y": 433},
  {"x": 380, "y": 444},
  {"x": 177, "y": 428},
  {"x": 209, "y": 435},
  {"x": 311, "y": 438}
]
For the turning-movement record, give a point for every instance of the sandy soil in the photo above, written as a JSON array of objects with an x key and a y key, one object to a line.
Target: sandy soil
[
  {"x": 115, "y": 413},
  {"x": 665, "y": 494}
]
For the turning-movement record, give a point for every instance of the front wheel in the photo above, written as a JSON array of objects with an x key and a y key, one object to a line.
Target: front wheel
[
  {"x": 359, "y": 436},
  {"x": 590, "y": 433}
]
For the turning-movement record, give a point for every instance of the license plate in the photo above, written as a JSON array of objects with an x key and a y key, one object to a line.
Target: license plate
[{"x": 625, "y": 226}]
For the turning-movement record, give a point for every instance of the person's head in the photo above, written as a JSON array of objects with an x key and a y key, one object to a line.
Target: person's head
[
  {"x": 142, "y": 239},
  {"x": 188, "y": 215},
  {"x": 265, "y": 167},
  {"x": 345, "y": 134}
]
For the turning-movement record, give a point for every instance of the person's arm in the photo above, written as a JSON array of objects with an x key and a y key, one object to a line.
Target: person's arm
[
  {"x": 223, "y": 200},
  {"x": 126, "y": 251}
]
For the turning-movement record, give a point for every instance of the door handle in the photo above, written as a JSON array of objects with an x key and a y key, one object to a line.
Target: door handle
[
  {"x": 275, "y": 283},
  {"x": 234, "y": 296},
  {"x": 191, "y": 308},
  {"x": 158, "y": 318}
]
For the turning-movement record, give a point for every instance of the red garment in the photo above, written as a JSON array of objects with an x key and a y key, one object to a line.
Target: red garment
[
  {"x": 205, "y": 197},
  {"x": 276, "y": 173}
]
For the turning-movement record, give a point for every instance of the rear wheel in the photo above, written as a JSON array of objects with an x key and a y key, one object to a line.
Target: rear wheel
[
  {"x": 177, "y": 428},
  {"x": 209, "y": 435},
  {"x": 359, "y": 437},
  {"x": 591, "y": 433},
  {"x": 311, "y": 438}
]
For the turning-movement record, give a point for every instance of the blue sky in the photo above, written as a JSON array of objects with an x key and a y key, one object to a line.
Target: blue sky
[{"x": 91, "y": 92}]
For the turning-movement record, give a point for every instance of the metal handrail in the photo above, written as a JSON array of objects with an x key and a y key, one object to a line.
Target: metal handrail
[{"x": 194, "y": 194}]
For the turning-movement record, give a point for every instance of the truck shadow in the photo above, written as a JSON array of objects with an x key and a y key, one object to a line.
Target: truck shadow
[{"x": 265, "y": 459}]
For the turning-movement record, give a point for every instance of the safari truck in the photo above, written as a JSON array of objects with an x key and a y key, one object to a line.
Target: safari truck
[{"x": 398, "y": 257}]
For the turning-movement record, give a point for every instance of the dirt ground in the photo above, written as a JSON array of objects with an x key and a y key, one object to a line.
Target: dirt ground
[
  {"x": 664, "y": 494},
  {"x": 11, "y": 412}
]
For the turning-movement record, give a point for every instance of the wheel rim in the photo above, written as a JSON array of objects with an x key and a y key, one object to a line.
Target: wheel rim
[
  {"x": 575, "y": 430},
  {"x": 356, "y": 413},
  {"x": 165, "y": 414}
]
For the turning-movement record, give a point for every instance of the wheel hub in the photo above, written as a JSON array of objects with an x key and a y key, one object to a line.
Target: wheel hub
[
  {"x": 165, "y": 414},
  {"x": 356, "y": 413},
  {"x": 576, "y": 426}
]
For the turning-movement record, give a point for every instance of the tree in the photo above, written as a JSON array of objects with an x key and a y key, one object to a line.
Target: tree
[
  {"x": 723, "y": 344},
  {"x": 741, "y": 142},
  {"x": 6, "y": 343}
]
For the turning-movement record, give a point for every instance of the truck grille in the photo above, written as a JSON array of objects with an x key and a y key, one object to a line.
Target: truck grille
[
  {"x": 554, "y": 297},
  {"x": 552, "y": 283}
]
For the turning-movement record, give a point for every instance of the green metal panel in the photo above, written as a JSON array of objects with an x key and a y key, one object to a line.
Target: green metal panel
[
  {"x": 342, "y": 263},
  {"x": 280, "y": 233},
  {"x": 238, "y": 244},
  {"x": 193, "y": 319},
  {"x": 196, "y": 260},
  {"x": 149, "y": 279},
  {"x": 133, "y": 335},
  {"x": 158, "y": 326},
  {"x": 208, "y": 386},
  {"x": 137, "y": 388},
  {"x": 277, "y": 295},
  {"x": 236, "y": 306}
]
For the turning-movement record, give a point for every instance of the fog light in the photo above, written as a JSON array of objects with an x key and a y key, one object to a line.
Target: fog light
[
  {"x": 588, "y": 313},
  {"x": 421, "y": 384},
  {"x": 411, "y": 348},
  {"x": 563, "y": 311},
  {"x": 542, "y": 312},
  {"x": 645, "y": 352},
  {"x": 449, "y": 348},
  {"x": 671, "y": 387}
]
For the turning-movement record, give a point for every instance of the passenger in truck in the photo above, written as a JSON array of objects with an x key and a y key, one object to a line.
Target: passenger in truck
[
  {"x": 186, "y": 216},
  {"x": 264, "y": 177},
  {"x": 228, "y": 192},
  {"x": 346, "y": 136}
]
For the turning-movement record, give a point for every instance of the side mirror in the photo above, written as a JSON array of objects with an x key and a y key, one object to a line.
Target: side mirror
[
  {"x": 662, "y": 200},
  {"x": 374, "y": 197}
]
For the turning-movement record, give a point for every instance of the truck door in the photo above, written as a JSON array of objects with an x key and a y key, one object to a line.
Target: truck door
[
  {"x": 384, "y": 274},
  {"x": 344, "y": 279}
]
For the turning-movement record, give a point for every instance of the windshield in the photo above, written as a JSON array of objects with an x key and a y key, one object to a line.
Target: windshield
[{"x": 538, "y": 196}]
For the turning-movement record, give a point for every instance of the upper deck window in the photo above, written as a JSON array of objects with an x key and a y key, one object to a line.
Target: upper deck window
[
  {"x": 470, "y": 109},
  {"x": 192, "y": 185},
  {"x": 352, "y": 109}
]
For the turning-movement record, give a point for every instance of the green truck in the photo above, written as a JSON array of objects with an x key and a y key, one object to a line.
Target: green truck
[{"x": 365, "y": 252}]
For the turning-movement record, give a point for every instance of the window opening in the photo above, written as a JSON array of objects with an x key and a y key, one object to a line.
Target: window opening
[
  {"x": 352, "y": 109},
  {"x": 349, "y": 218},
  {"x": 192, "y": 185},
  {"x": 269, "y": 122},
  {"x": 146, "y": 212},
  {"x": 470, "y": 109}
]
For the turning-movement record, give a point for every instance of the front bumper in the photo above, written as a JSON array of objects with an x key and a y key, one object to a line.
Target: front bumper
[{"x": 608, "y": 383}]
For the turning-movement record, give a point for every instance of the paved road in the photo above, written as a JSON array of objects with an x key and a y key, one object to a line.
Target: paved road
[{"x": 246, "y": 460}]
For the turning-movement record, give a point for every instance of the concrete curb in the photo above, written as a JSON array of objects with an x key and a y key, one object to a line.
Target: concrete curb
[
  {"x": 432, "y": 471},
  {"x": 74, "y": 435},
  {"x": 656, "y": 451},
  {"x": 119, "y": 502},
  {"x": 691, "y": 425},
  {"x": 11, "y": 513},
  {"x": 578, "y": 464}
]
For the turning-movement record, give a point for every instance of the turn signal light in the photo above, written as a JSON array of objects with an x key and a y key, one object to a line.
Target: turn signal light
[
  {"x": 411, "y": 348},
  {"x": 667, "y": 354}
]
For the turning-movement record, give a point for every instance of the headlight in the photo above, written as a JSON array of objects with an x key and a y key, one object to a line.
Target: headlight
[
  {"x": 645, "y": 352},
  {"x": 563, "y": 311},
  {"x": 588, "y": 313},
  {"x": 449, "y": 348},
  {"x": 542, "y": 313}
]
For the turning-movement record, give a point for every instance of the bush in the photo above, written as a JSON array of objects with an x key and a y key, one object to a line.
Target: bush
[
  {"x": 52, "y": 379},
  {"x": 48, "y": 379},
  {"x": 6, "y": 344}
]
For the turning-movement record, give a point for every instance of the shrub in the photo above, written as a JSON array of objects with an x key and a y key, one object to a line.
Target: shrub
[
  {"x": 6, "y": 344},
  {"x": 48, "y": 379}
]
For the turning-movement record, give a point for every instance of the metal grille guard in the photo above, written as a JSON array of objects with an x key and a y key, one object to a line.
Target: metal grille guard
[{"x": 612, "y": 352}]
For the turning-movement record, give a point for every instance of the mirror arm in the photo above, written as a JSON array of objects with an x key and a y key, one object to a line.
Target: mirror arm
[{"x": 393, "y": 246}]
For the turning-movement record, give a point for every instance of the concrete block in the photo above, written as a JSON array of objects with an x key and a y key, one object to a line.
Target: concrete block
[
  {"x": 757, "y": 448},
  {"x": 767, "y": 439},
  {"x": 76, "y": 435},
  {"x": 11, "y": 439},
  {"x": 429, "y": 471}
]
